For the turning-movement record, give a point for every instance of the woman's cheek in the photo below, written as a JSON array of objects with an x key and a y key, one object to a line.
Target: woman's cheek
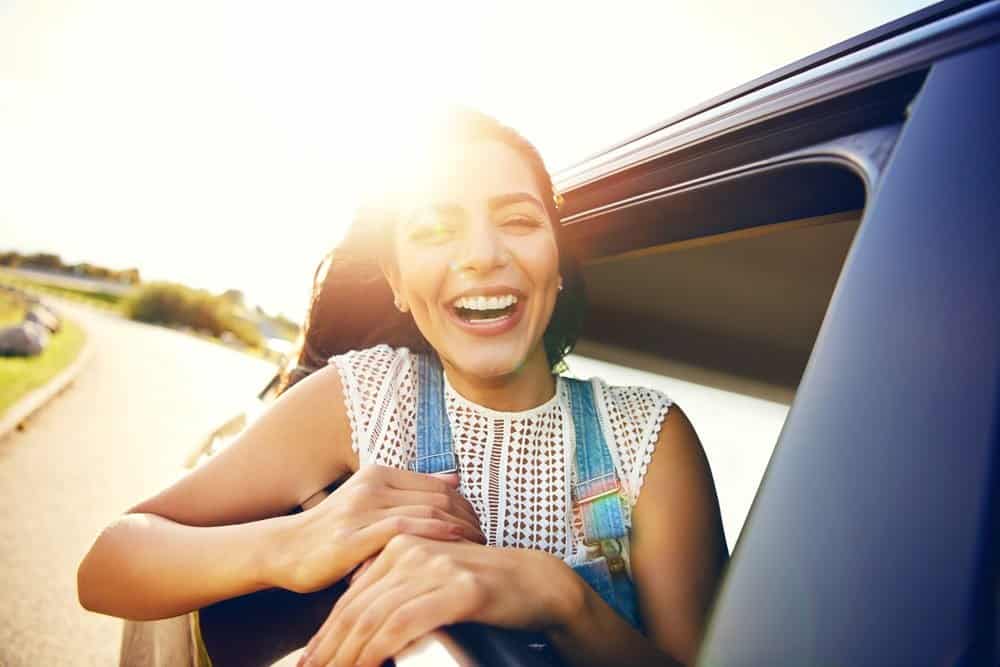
[
  {"x": 541, "y": 258},
  {"x": 424, "y": 276}
]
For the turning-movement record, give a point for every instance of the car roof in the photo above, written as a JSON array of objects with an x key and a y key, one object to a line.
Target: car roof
[
  {"x": 909, "y": 31},
  {"x": 710, "y": 189}
]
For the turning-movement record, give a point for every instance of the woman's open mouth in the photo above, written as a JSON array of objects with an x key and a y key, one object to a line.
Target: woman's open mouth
[{"x": 487, "y": 315}]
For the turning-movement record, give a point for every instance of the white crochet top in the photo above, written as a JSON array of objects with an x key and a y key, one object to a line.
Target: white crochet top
[{"x": 516, "y": 468}]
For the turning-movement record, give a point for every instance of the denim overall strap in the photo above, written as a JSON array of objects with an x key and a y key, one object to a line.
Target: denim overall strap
[
  {"x": 597, "y": 494},
  {"x": 596, "y": 490},
  {"x": 434, "y": 452}
]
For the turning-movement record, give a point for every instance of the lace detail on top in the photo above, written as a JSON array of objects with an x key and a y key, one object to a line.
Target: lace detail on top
[
  {"x": 380, "y": 389},
  {"x": 515, "y": 467}
]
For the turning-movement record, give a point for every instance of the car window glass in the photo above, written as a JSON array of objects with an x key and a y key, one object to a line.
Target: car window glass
[
  {"x": 725, "y": 328},
  {"x": 737, "y": 431}
]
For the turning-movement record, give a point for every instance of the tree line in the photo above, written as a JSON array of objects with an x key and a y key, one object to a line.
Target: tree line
[{"x": 47, "y": 261}]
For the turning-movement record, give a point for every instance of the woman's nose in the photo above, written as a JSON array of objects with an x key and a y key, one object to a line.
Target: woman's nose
[{"x": 483, "y": 250}]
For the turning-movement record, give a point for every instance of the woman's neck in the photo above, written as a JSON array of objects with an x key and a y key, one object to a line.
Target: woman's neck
[{"x": 527, "y": 387}]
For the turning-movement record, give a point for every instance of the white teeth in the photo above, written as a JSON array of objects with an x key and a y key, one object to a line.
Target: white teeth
[{"x": 485, "y": 302}]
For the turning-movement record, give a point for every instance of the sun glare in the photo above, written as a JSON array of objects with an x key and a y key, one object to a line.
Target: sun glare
[{"x": 226, "y": 144}]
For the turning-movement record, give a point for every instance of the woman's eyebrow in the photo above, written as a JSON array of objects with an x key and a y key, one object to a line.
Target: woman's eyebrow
[{"x": 514, "y": 198}]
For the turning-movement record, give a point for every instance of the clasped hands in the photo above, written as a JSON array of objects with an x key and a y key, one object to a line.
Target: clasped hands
[{"x": 419, "y": 562}]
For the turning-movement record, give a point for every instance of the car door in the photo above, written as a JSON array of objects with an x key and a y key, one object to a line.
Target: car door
[{"x": 873, "y": 536}]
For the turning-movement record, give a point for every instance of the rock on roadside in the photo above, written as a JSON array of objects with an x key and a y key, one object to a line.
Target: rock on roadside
[
  {"x": 44, "y": 316},
  {"x": 27, "y": 339}
]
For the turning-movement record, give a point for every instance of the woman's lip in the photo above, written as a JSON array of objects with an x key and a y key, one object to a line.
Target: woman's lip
[{"x": 494, "y": 327}]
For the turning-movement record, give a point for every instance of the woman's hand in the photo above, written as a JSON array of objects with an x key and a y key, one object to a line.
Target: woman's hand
[
  {"x": 323, "y": 544},
  {"x": 417, "y": 585}
]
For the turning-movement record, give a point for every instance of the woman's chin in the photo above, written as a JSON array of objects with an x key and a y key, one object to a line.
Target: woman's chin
[
  {"x": 485, "y": 364},
  {"x": 486, "y": 369}
]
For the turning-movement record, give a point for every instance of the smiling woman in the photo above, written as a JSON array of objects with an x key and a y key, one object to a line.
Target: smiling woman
[
  {"x": 476, "y": 483},
  {"x": 463, "y": 247},
  {"x": 464, "y": 182}
]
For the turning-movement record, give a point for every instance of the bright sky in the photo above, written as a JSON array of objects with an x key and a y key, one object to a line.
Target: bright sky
[{"x": 222, "y": 144}]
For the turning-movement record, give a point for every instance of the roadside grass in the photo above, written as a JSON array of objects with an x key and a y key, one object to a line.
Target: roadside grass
[
  {"x": 11, "y": 310},
  {"x": 109, "y": 303},
  {"x": 21, "y": 375},
  {"x": 103, "y": 300}
]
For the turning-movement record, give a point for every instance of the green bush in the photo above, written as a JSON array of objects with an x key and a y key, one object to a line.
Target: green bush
[{"x": 177, "y": 305}]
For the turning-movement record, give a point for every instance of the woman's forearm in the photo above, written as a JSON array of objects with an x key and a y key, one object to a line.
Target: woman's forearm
[
  {"x": 145, "y": 567},
  {"x": 591, "y": 633}
]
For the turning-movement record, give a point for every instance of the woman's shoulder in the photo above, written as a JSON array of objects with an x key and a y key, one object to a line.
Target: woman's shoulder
[
  {"x": 369, "y": 371},
  {"x": 629, "y": 401},
  {"x": 372, "y": 366},
  {"x": 631, "y": 394}
]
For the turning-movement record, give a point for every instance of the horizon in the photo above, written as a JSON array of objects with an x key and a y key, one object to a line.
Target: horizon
[{"x": 236, "y": 161}]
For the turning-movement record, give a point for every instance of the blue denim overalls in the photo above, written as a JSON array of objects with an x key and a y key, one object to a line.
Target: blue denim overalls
[{"x": 596, "y": 491}]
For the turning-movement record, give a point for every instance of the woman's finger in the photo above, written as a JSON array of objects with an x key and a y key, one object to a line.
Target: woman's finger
[
  {"x": 397, "y": 478},
  {"x": 360, "y": 570},
  {"x": 405, "y": 480},
  {"x": 449, "y": 478},
  {"x": 451, "y": 502},
  {"x": 377, "y": 568},
  {"x": 411, "y": 620},
  {"x": 472, "y": 531},
  {"x": 370, "y": 539},
  {"x": 365, "y": 615},
  {"x": 323, "y": 644}
]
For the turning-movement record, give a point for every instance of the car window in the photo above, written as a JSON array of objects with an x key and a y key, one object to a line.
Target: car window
[{"x": 724, "y": 327}]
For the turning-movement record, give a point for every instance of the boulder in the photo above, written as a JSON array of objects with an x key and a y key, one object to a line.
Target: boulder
[
  {"x": 27, "y": 339},
  {"x": 45, "y": 316}
]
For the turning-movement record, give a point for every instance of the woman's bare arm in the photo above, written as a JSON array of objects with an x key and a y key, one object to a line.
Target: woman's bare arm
[
  {"x": 299, "y": 445},
  {"x": 678, "y": 553},
  {"x": 176, "y": 551},
  {"x": 678, "y": 546},
  {"x": 221, "y": 531}
]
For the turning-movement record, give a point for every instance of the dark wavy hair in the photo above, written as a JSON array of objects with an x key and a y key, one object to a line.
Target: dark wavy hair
[{"x": 352, "y": 304}]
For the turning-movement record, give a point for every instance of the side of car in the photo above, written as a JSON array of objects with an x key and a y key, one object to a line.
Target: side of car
[{"x": 873, "y": 537}]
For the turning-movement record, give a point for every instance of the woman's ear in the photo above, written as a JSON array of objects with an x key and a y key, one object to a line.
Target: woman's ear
[{"x": 392, "y": 277}]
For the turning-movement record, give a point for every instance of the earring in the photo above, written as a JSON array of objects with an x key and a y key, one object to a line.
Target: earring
[
  {"x": 400, "y": 306},
  {"x": 559, "y": 288}
]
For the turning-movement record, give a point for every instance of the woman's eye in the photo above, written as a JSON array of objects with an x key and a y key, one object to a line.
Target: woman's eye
[{"x": 521, "y": 223}]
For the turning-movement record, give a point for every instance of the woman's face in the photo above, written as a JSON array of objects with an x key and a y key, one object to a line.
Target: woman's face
[{"x": 476, "y": 260}]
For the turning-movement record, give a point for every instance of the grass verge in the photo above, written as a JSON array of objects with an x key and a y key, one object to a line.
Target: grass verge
[
  {"x": 11, "y": 310},
  {"x": 21, "y": 375},
  {"x": 99, "y": 299}
]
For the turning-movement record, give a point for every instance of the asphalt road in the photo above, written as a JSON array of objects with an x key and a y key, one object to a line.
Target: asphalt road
[{"x": 117, "y": 435}]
